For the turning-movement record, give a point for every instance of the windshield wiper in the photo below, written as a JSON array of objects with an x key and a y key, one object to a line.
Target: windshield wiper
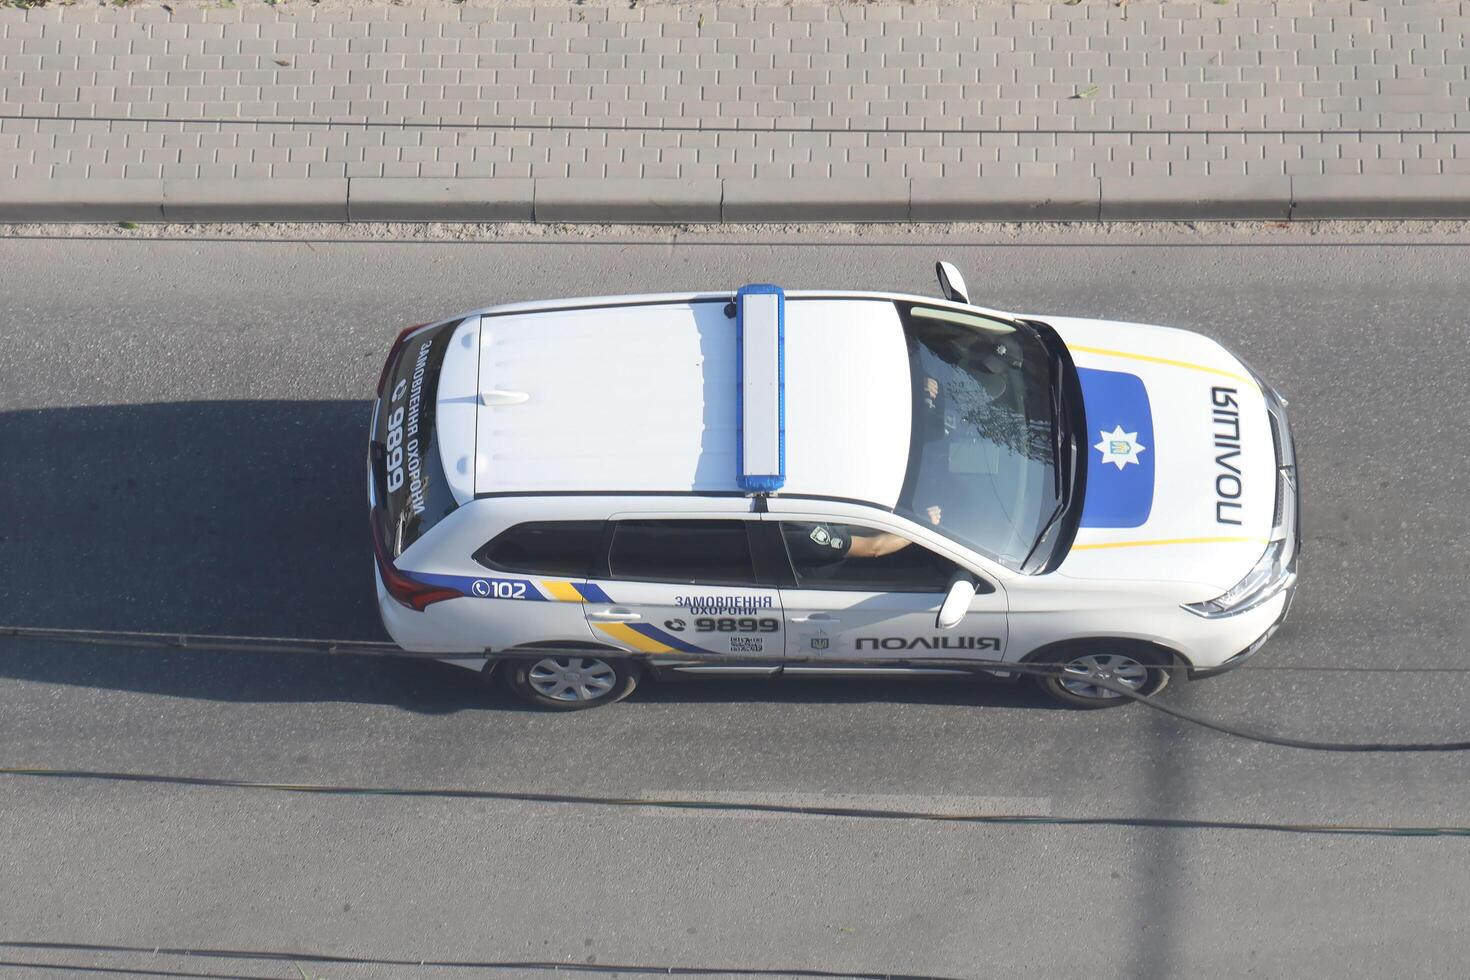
[
  {"x": 1063, "y": 473},
  {"x": 1056, "y": 515},
  {"x": 1058, "y": 428}
]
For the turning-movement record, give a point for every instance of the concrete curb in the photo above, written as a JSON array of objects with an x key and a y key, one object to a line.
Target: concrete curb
[
  {"x": 1196, "y": 198},
  {"x": 1328, "y": 197},
  {"x": 815, "y": 200},
  {"x": 1004, "y": 199},
  {"x": 301, "y": 199},
  {"x": 443, "y": 199},
  {"x": 629, "y": 199},
  {"x": 81, "y": 200},
  {"x": 635, "y": 200}
]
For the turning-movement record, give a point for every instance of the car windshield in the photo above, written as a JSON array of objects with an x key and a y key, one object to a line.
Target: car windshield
[{"x": 982, "y": 458}]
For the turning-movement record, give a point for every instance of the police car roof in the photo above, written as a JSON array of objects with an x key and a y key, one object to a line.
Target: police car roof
[{"x": 639, "y": 394}]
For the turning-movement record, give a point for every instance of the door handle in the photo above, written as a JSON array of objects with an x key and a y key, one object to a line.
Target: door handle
[
  {"x": 815, "y": 618},
  {"x": 616, "y": 614}
]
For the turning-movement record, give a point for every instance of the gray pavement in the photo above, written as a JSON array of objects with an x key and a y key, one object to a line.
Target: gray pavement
[
  {"x": 1038, "y": 101},
  {"x": 185, "y": 421}
]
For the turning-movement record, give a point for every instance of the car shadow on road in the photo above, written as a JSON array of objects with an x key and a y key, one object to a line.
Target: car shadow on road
[
  {"x": 420, "y": 686},
  {"x": 428, "y": 687},
  {"x": 809, "y": 689},
  {"x": 233, "y": 517},
  {"x": 250, "y": 517},
  {"x": 242, "y": 517}
]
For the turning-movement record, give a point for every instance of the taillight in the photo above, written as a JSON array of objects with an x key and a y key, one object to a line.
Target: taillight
[
  {"x": 415, "y": 595},
  {"x": 393, "y": 352}
]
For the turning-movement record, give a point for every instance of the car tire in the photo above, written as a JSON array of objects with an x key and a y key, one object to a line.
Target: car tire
[
  {"x": 1142, "y": 668},
  {"x": 571, "y": 682}
]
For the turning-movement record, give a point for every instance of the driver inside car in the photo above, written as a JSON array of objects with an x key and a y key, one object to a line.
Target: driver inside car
[{"x": 826, "y": 543}]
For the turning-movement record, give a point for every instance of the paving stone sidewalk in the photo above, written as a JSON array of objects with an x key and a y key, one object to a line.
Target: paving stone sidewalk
[{"x": 695, "y": 91}]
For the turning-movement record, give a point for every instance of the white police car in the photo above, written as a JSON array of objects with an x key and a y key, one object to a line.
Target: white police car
[{"x": 761, "y": 480}]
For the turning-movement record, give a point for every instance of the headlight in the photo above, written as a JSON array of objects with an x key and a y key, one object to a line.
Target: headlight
[{"x": 1271, "y": 574}]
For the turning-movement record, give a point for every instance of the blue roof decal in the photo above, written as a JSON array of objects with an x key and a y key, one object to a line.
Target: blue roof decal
[{"x": 1119, "y": 443}]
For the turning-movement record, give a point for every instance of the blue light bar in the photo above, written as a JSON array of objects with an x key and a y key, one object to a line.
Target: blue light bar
[{"x": 760, "y": 405}]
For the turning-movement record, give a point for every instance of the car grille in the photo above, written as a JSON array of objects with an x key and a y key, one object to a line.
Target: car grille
[
  {"x": 1281, "y": 487},
  {"x": 1286, "y": 513}
]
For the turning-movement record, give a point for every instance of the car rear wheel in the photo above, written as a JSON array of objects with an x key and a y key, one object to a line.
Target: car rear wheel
[
  {"x": 571, "y": 683},
  {"x": 1085, "y": 676}
]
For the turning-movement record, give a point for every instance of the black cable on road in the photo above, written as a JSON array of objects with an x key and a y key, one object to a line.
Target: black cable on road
[
  {"x": 215, "y": 642},
  {"x": 265, "y": 644},
  {"x": 538, "y": 965},
  {"x": 1284, "y": 741},
  {"x": 731, "y": 806}
]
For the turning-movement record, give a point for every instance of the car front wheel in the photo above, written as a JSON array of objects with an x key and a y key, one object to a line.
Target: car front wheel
[
  {"x": 1086, "y": 677},
  {"x": 571, "y": 683}
]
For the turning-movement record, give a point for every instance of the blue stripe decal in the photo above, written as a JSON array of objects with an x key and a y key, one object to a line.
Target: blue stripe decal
[
  {"x": 482, "y": 588},
  {"x": 591, "y": 593},
  {"x": 1120, "y": 449},
  {"x": 758, "y": 482},
  {"x": 654, "y": 633}
]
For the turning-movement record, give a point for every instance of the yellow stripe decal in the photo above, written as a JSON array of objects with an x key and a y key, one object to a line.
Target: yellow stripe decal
[
  {"x": 1163, "y": 360},
  {"x": 561, "y": 591},
  {"x": 1163, "y": 541},
  {"x": 631, "y": 637}
]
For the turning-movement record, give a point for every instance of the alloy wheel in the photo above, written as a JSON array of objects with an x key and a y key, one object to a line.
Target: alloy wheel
[
  {"x": 1081, "y": 676},
  {"x": 571, "y": 678}
]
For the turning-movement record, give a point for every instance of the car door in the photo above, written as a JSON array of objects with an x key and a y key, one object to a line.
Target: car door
[
  {"x": 845, "y": 602},
  {"x": 677, "y": 585}
]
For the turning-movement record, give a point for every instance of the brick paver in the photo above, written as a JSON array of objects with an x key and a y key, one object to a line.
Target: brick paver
[{"x": 700, "y": 91}]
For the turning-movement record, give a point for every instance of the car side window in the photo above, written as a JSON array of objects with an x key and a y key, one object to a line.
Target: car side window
[
  {"x": 566, "y": 548},
  {"x": 851, "y": 558},
  {"x": 691, "y": 552}
]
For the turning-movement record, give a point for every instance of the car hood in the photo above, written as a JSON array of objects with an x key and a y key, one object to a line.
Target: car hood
[{"x": 1181, "y": 464}]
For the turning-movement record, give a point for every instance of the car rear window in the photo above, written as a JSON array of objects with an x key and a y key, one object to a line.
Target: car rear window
[
  {"x": 566, "y": 548},
  {"x": 408, "y": 477}
]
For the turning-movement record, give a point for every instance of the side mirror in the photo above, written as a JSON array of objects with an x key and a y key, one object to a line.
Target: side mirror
[
  {"x": 951, "y": 283},
  {"x": 956, "y": 603}
]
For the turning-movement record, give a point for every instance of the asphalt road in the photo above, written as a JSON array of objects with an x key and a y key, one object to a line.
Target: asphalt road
[{"x": 184, "y": 422}]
